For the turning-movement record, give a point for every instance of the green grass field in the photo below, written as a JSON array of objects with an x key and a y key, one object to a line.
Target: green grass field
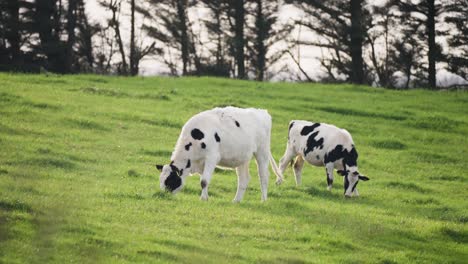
[{"x": 78, "y": 183}]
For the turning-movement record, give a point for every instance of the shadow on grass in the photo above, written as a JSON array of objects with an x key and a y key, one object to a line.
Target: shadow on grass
[
  {"x": 460, "y": 236},
  {"x": 335, "y": 195},
  {"x": 421, "y": 201},
  {"x": 119, "y": 94},
  {"x": 197, "y": 250},
  {"x": 448, "y": 178},
  {"x": 143, "y": 119},
  {"x": 98, "y": 242},
  {"x": 80, "y": 230},
  {"x": 407, "y": 186},
  {"x": 54, "y": 154},
  {"x": 353, "y": 112},
  {"x": 435, "y": 123},
  {"x": 85, "y": 124},
  {"x": 159, "y": 255},
  {"x": 162, "y": 123},
  {"x": 97, "y": 80},
  {"x": 8, "y": 98},
  {"x": 388, "y": 144},
  {"x": 157, "y": 153},
  {"x": 4, "y": 129},
  {"x": 163, "y": 195},
  {"x": 124, "y": 196},
  {"x": 15, "y": 206},
  {"x": 429, "y": 157},
  {"x": 45, "y": 162}
]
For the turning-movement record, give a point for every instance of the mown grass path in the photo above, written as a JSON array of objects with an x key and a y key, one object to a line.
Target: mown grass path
[{"x": 78, "y": 184}]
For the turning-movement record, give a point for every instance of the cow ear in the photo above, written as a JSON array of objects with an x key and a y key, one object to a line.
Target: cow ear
[
  {"x": 363, "y": 178},
  {"x": 159, "y": 167}
]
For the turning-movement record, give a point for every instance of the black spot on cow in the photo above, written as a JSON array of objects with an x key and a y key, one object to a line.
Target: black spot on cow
[
  {"x": 203, "y": 184},
  {"x": 334, "y": 155},
  {"x": 187, "y": 147},
  {"x": 237, "y": 123},
  {"x": 313, "y": 143},
  {"x": 354, "y": 187},
  {"x": 318, "y": 157},
  {"x": 290, "y": 126},
  {"x": 289, "y": 129},
  {"x": 203, "y": 145},
  {"x": 341, "y": 172},
  {"x": 307, "y": 129},
  {"x": 351, "y": 157},
  {"x": 197, "y": 134},
  {"x": 175, "y": 169},
  {"x": 346, "y": 183},
  {"x": 329, "y": 181},
  {"x": 173, "y": 181},
  {"x": 188, "y": 164},
  {"x": 218, "y": 139}
]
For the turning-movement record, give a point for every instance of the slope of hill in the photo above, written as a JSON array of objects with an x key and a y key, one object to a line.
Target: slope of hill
[{"x": 77, "y": 177}]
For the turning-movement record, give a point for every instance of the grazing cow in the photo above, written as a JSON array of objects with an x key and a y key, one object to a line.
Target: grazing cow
[
  {"x": 226, "y": 137},
  {"x": 326, "y": 145}
]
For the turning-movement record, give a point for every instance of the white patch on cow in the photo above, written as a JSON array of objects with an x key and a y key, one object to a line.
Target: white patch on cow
[{"x": 243, "y": 134}]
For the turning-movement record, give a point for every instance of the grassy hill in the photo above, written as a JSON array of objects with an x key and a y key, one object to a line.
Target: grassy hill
[{"x": 78, "y": 184}]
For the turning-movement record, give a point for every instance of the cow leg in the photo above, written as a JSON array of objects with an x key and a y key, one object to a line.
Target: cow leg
[
  {"x": 263, "y": 172},
  {"x": 329, "y": 171},
  {"x": 298, "y": 165},
  {"x": 287, "y": 157},
  {"x": 243, "y": 178},
  {"x": 355, "y": 192},
  {"x": 206, "y": 178}
]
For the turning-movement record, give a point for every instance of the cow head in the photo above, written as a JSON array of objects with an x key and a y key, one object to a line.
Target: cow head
[
  {"x": 351, "y": 179},
  {"x": 171, "y": 178}
]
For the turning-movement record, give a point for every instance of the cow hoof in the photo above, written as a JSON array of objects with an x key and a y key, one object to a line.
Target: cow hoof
[
  {"x": 236, "y": 201},
  {"x": 279, "y": 181},
  {"x": 203, "y": 198},
  {"x": 329, "y": 188}
]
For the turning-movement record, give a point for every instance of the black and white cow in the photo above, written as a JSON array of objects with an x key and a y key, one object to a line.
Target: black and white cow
[
  {"x": 227, "y": 137},
  {"x": 326, "y": 145}
]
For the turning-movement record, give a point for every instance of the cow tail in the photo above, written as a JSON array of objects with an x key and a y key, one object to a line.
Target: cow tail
[{"x": 276, "y": 170}]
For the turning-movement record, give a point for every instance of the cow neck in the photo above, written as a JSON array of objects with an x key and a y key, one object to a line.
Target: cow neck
[{"x": 179, "y": 160}]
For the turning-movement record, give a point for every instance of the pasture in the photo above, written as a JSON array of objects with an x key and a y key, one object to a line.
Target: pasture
[{"x": 78, "y": 183}]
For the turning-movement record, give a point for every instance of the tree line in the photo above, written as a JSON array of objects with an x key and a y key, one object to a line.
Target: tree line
[{"x": 361, "y": 42}]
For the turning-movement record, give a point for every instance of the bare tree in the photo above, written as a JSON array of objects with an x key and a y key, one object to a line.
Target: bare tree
[{"x": 342, "y": 27}]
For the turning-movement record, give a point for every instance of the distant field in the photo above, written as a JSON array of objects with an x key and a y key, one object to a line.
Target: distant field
[{"x": 78, "y": 184}]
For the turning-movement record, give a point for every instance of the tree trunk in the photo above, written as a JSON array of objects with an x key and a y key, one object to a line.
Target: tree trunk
[
  {"x": 261, "y": 35},
  {"x": 357, "y": 35},
  {"x": 71, "y": 24},
  {"x": 408, "y": 74},
  {"x": 114, "y": 6},
  {"x": 86, "y": 32},
  {"x": 50, "y": 43},
  {"x": 239, "y": 38},
  {"x": 133, "y": 68},
  {"x": 432, "y": 45},
  {"x": 219, "y": 41},
  {"x": 184, "y": 41},
  {"x": 13, "y": 35}
]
